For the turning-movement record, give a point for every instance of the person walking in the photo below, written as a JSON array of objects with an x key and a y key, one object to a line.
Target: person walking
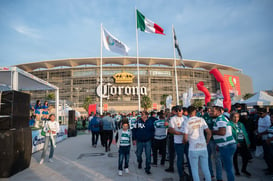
[
  {"x": 194, "y": 129},
  {"x": 124, "y": 140},
  {"x": 143, "y": 134},
  {"x": 132, "y": 120},
  {"x": 51, "y": 128},
  {"x": 240, "y": 135},
  {"x": 222, "y": 135},
  {"x": 159, "y": 141},
  {"x": 94, "y": 127},
  {"x": 108, "y": 126}
]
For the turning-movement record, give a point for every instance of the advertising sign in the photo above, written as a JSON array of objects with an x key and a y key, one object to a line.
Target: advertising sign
[
  {"x": 233, "y": 83},
  {"x": 38, "y": 140}
]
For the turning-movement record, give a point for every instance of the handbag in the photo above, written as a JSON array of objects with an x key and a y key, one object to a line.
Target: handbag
[{"x": 43, "y": 133}]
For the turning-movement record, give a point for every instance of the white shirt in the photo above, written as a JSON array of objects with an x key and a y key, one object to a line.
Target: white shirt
[
  {"x": 176, "y": 123},
  {"x": 263, "y": 124},
  {"x": 53, "y": 126},
  {"x": 195, "y": 127}
]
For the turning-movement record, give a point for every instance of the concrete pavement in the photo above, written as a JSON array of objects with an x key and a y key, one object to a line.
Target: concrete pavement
[{"x": 76, "y": 160}]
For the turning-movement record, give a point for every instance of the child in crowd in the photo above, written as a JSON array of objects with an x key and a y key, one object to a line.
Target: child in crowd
[{"x": 124, "y": 143}]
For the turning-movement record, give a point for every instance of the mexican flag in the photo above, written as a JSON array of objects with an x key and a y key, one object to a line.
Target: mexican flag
[{"x": 147, "y": 25}]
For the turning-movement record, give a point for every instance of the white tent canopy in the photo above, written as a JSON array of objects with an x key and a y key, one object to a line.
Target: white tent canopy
[
  {"x": 261, "y": 99},
  {"x": 13, "y": 78}
]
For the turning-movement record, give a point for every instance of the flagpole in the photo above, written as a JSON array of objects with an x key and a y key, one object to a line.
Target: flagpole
[
  {"x": 175, "y": 71},
  {"x": 138, "y": 81},
  {"x": 101, "y": 68}
]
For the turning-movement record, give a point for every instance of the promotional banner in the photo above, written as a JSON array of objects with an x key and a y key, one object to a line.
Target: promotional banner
[
  {"x": 233, "y": 83},
  {"x": 92, "y": 108},
  {"x": 38, "y": 140}
]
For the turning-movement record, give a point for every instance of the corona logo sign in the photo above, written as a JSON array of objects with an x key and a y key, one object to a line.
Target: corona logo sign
[
  {"x": 107, "y": 89},
  {"x": 123, "y": 78}
]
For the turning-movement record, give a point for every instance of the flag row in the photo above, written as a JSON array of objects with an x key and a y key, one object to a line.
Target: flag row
[{"x": 111, "y": 43}]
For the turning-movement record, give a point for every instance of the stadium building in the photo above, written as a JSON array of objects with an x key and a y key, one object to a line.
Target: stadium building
[{"x": 79, "y": 78}]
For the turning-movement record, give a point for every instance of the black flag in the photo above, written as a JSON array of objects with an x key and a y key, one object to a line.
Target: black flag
[{"x": 177, "y": 48}]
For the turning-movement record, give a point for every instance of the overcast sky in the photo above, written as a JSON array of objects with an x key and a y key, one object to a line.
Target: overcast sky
[{"x": 237, "y": 33}]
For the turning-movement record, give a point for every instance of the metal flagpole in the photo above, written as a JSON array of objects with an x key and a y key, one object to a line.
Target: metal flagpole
[
  {"x": 138, "y": 81},
  {"x": 175, "y": 71},
  {"x": 101, "y": 68}
]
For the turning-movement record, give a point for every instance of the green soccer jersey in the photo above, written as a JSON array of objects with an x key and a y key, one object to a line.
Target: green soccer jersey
[{"x": 221, "y": 121}]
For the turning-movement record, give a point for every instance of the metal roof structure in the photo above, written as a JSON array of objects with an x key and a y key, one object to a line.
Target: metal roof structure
[
  {"x": 149, "y": 61},
  {"x": 13, "y": 78}
]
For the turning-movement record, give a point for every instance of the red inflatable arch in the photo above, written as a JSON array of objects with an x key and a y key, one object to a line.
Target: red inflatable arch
[
  {"x": 219, "y": 77},
  {"x": 200, "y": 86}
]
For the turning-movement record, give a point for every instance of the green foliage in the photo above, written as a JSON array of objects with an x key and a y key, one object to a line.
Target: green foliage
[
  {"x": 87, "y": 101},
  {"x": 50, "y": 96},
  {"x": 163, "y": 99},
  {"x": 146, "y": 102},
  {"x": 198, "y": 103},
  {"x": 247, "y": 96}
]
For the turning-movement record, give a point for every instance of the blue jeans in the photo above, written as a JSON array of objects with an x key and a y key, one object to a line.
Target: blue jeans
[
  {"x": 47, "y": 139},
  {"x": 194, "y": 157},
  {"x": 180, "y": 150},
  {"x": 147, "y": 145},
  {"x": 95, "y": 137},
  {"x": 124, "y": 154},
  {"x": 218, "y": 163},
  {"x": 227, "y": 153}
]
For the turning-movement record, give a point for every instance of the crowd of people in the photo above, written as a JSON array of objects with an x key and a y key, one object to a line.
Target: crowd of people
[
  {"x": 210, "y": 137},
  {"x": 205, "y": 136}
]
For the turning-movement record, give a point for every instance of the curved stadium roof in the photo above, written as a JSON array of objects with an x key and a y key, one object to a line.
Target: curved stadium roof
[{"x": 149, "y": 61}]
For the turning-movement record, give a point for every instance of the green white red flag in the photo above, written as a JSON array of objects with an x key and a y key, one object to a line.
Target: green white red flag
[{"x": 148, "y": 26}]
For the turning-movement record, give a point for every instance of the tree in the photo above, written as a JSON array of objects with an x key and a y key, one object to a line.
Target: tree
[
  {"x": 163, "y": 99},
  {"x": 197, "y": 103},
  {"x": 86, "y": 102},
  {"x": 247, "y": 96},
  {"x": 146, "y": 103},
  {"x": 50, "y": 96}
]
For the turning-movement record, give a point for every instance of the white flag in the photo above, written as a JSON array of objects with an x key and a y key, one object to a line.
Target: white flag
[{"x": 111, "y": 43}]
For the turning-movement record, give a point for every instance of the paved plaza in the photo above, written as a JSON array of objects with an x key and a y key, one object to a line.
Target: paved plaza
[{"x": 75, "y": 159}]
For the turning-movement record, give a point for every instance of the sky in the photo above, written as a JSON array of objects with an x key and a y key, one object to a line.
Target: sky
[{"x": 237, "y": 33}]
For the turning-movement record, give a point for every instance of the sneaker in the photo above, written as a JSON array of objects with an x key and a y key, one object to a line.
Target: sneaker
[
  {"x": 126, "y": 170},
  {"x": 139, "y": 165},
  {"x": 120, "y": 172},
  {"x": 246, "y": 173},
  {"x": 42, "y": 161},
  {"x": 148, "y": 172},
  {"x": 169, "y": 170},
  {"x": 237, "y": 173},
  {"x": 50, "y": 160}
]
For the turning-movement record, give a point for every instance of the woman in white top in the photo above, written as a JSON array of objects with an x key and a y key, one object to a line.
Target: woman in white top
[{"x": 51, "y": 127}]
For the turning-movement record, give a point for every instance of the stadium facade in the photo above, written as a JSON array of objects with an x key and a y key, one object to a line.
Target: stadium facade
[{"x": 79, "y": 78}]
